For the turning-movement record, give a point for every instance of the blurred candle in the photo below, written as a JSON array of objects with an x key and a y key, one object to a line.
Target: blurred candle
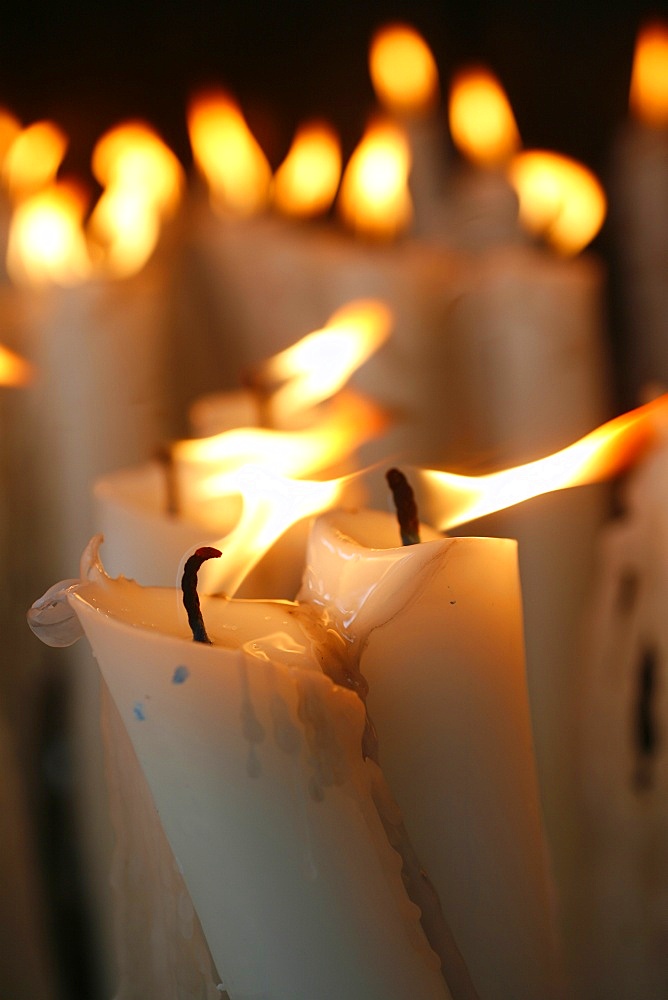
[{"x": 640, "y": 212}]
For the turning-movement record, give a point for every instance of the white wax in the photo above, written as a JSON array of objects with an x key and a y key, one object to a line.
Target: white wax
[
  {"x": 639, "y": 213},
  {"x": 254, "y": 762},
  {"x": 440, "y": 626}
]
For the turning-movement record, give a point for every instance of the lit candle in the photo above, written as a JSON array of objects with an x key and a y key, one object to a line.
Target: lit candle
[
  {"x": 405, "y": 79},
  {"x": 639, "y": 195},
  {"x": 254, "y": 760}
]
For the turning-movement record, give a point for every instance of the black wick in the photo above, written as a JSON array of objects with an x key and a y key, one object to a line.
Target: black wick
[
  {"x": 190, "y": 595},
  {"x": 404, "y": 501}
]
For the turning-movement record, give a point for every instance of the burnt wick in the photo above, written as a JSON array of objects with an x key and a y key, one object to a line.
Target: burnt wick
[
  {"x": 406, "y": 507},
  {"x": 165, "y": 457},
  {"x": 190, "y": 595},
  {"x": 646, "y": 736}
]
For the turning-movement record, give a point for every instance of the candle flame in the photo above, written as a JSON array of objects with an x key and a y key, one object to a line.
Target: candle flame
[
  {"x": 403, "y": 70},
  {"x": 14, "y": 370},
  {"x": 46, "y": 241},
  {"x": 143, "y": 182},
  {"x": 271, "y": 505},
  {"x": 306, "y": 182},
  {"x": 648, "y": 97},
  {"x": 9, "y": 130},
  {"x": 227, "y": 154},
  {"x": 481, "y": 119},
  {"x": 32, "y": 160},
  {"x": 560, "y": 199},
  {"x": 374, "y": 199},
  {"x": 320, "y": 364},
  {"x": 333, "y": 436},
  {"x": 453, "y": 500}
]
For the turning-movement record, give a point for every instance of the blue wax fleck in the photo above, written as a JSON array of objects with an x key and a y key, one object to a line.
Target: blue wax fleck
[
  {"x": 181, "y": 675},
  {"x": 139, "y": 711}
]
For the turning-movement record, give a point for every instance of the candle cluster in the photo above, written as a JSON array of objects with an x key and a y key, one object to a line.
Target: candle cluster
[{"x": 339, "y": 750}]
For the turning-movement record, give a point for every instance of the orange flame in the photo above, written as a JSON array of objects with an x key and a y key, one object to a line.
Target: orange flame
[
  {"x": 9, "y": 131},
  {"x": 320, "y": 364},
  {"x": 648, "y": 97},
  {"x": 453, "y": 500},
  {"x": 349, "y": 421},
  {"x": 271, "y": 505},
  {"x": 227, "y": 154},
  {"x": 33, "y": 159},
  {"x": 403, "y": 71},
  {"x": 374, "y": 199},
  {"x": 305, "y": 183},
  {"x": 143, "y": 181},
  {"x": 14, "y": 370},
  {"x": 482, "y": 123},
  {"x": 560, "y": 199},
  {"x": 46, "y": 240}
]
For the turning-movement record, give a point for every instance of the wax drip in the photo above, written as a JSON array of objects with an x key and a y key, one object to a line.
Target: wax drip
[
  {"x": 165, "y": 457},
  {"x": 404, "y": 501},
  {"x": 190, "y": 595},
  {"x": 645, "y": 730}
]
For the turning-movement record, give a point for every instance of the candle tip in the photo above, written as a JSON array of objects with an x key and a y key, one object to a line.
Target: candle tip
[
  {"x": 189, "y": 588},
  {"x": 406, "y": 507}
]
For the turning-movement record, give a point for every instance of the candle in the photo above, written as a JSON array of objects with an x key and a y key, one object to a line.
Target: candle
[
  {"x": 639, "y": 195},
  {"x": 253, "y": 757},
  {"x": 621, "y": 746}
]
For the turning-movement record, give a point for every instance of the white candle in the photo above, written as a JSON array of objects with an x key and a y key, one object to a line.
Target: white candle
[
  {"x": 440, "y": 629},
  {"x": 253, "y": 757}
]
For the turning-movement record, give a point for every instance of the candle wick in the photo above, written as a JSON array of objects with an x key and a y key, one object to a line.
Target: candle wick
[
  {"x": 190, "y": 595},
  {"x": 165, "y": 457},
  {"x": 406, "y": 507},
  {"x": 646, "y": 736}
]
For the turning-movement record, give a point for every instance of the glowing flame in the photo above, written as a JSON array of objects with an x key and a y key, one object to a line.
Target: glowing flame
[
  {"x": 227, "y": 154},
  {"x": 403, "y": 70},
  {"x": 454, "y": 500},
  {"x": 33, "y": 159},
  {"x": 648, "y": 96},
  {"x": 9, "y": 130},
  {"x": 374, "y": 199},
  {"x": 348, "y": 422},
  {"x": 320, "y": 364},
  {"x": 305, "y": 183},
  {"x": 46, "y": 239},
  {"x": 482, "y": 123},
  {"x": 271, "y": 504},
  {"x": 143, "y": 181},
  {"x": 560, "y": 199},
  {"x": 14, "y": 370}
]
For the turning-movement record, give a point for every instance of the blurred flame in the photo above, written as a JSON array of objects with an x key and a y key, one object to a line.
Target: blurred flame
[
  {"x": 9, "y": 130},
  {"x": 14, "y": 370},
  {"x": 560, "y": 199},
  {"x": 482, "y": 123},
  {"x": 305, "y": 183},
  {"x": 374, "y": 199},
  {"x": 46, "y": 239},
  {"x": 271, "y": 504},
  {"x": 227, "y": 154},
  {"x": 143, "y": 182},
  {"x": 648, "y": 96},
  {"x": 33, "y": 159},
  {"x": 349, "y": 421},
  {"x": 604, "y": 452},
  {"x": 320, "y": 364},
  {"x": 403, "y": 70}
]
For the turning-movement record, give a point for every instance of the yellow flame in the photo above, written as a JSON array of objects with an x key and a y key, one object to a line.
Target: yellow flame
[
  {"x": 46, "y": 239},
  {"x": 374, "y": 199},
  {"x": 320, "y": 364},
  {"x": 271, "y": 505},
  {"x": 305, "y": 183},
  {"x": 560, "y": 199},
  {"x": 648, "y": 96},
  {"x": 403, "y": 70},
  {"x": 9, "y": 130},
  {"x": 348, "y": 422},
  {"x": 14, "y": 370},
  {"x": 606, "y": 451},
  {"x": 33, "y": 159},
  {"x": 227, "y": 154},
  {"x": 482, "y": 123}
]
